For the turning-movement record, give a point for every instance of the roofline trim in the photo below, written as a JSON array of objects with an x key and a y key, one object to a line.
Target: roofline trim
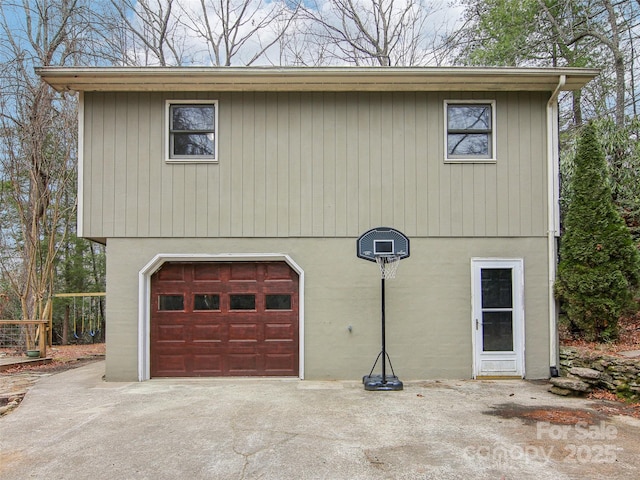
[{"x": 337, "y": 79}]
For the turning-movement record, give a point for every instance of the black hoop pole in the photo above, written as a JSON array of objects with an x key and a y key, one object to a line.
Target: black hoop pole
[{"x": 384, "y": 341}]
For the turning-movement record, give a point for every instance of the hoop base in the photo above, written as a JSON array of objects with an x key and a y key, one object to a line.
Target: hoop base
[{"x": 375, "y": 383}]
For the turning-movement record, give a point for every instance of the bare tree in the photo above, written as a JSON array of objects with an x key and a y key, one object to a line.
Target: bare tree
[
  {"x": 282, "y": 32},
  {"x": 374, "y": 32},
  {"x": 239, "y": 31},
  {"x": 145, "y": 32},
  {"x": 38, "y": 143}
]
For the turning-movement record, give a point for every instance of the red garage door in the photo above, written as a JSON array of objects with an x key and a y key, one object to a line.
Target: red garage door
[{"x": 224, "y": 319}]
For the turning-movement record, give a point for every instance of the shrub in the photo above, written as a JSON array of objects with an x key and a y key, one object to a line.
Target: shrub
[{"x": 599, "y": 263}]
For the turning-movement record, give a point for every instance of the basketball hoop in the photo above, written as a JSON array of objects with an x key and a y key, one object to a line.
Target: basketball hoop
[
  {"x": 385, "y": 246},
  {"x": 388, "y": 265}
]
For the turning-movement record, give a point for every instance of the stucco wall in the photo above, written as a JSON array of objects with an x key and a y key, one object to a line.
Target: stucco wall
[{"x": 429, "y": 325}]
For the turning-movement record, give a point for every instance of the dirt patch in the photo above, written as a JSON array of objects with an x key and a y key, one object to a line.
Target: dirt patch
[
  {"x": 555, "y": 415},
  {"x": 617, "y": 407},
  {"x": 628, "y": 338},
  {"x": 63, "y": 357}
]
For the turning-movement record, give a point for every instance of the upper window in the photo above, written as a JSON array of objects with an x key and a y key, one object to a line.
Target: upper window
[
  {"x": 192, "y": 130},
  {"x": 470, "y": 130}
]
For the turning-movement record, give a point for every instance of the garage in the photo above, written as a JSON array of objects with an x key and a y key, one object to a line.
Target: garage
[{"x": 224, "y": 319}]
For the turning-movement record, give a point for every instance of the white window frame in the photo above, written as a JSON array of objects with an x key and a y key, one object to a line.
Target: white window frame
[
  {"x": 473, "y": 158},
  {"x": 167, "y": 130}
]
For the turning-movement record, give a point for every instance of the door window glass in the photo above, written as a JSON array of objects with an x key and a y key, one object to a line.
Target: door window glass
[
  {"x": 278, "y": 302},
  {"x": 242, "y": 302},
  {"x": 497, "y": 331},
  {"x": 170, "y": 302},
  {"x": 496, "y": 288},
  {"x": 206, "y": 302}
]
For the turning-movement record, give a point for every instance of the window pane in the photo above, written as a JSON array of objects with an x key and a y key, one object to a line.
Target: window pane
[
  {"x": 497, "y": 332},
  {"x": 468, "y": 144},
  {"x": 278, "y": 302},
  {"x": 192, "y": 117},
  {"x": 206, "y": 302},
  {"x": 469, "y": 117},
  {"x": 193, "y": 144},
  {"x": 242, "y": 302},
  {"x": 496, "y": 288},
  {"x": 170, "y": 302}
]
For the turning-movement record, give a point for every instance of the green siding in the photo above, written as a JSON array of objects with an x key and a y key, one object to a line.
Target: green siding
[{"x": 313, "y": 165}]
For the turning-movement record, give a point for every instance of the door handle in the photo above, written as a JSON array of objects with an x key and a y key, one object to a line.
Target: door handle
[{"x": 477, "y": 324}]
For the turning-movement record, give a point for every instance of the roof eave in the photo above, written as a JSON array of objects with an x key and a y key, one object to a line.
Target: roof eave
[{"x": 336, "y": 79}]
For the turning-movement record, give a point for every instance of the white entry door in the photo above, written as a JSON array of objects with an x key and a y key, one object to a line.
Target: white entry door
[{"x": 498, "y": 318}]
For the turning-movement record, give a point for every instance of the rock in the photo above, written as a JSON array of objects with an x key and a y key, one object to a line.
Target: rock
[
  {"x": 16, "y": 397},
  {"x": 567, "y": 383},
  {"x": 631, "y": 354},
  {"x": 585, "y": 373},
  {"x": 616, "y": 374},
  {"x": 560, "y": 391}
]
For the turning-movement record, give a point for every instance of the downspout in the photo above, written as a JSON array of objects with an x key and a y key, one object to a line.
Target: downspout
[{"x": 553, "y": 217}]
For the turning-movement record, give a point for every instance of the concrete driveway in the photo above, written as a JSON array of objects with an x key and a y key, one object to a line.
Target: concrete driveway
[{"x": 75, "y": 426}]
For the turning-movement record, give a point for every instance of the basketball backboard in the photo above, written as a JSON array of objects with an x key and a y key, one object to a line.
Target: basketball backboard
[{"x": 382, "y": 241}]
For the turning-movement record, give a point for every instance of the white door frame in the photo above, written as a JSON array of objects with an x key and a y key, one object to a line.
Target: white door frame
[
  {"x": 515, "y": 359},
  {"x": 144, "y": 297}
]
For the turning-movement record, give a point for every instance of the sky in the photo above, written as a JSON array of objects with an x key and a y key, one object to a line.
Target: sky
[{"x": 443, "y": 17}]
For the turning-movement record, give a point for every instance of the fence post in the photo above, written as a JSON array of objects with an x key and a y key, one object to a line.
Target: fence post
[{"x": 42, "y": 339}]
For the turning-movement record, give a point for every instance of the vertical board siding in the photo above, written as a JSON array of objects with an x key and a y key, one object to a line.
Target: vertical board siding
[
  {"x": 260, "y": 166},
  {"x": 154, "y": 116},
  {"x": 237, "y": 158},
  {"x": 312, "y": 164},
  {"x": 108, "y": 165},
  {"x": 378, "y": 177},
  {"x": 329, "y": 166},
  {"x": 340, "y": 149},
  {"x": 120, "y": 161},
  {"x": 410, "y": 164},
  {"x": 132, "y": 203},
  {"x": 248, "y": 166},
  {"x": 316, "y": 142}
]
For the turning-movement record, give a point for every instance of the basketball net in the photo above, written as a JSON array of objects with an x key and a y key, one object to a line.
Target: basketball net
[{"x": 388, "y": 265}]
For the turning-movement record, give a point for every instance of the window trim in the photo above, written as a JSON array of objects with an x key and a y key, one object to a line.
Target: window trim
[
  {"x": 167, "y": 131},
  {"x": 493, "y": 144}
]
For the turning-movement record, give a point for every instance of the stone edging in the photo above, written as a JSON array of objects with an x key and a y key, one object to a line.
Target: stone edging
[{"x": 583, "y": 370}]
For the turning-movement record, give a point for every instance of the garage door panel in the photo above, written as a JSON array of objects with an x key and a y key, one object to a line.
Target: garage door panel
[
  {"x": 207, "y": 364},
  {"x": 278, "y": 271},
  {"x": 243, "y": 364},
  {"x": 171, "y": 272},
  {"x": 278, "y": 364},
  {"x": 207, "y": 271},
  {"x": 171, "y": 364},
  {"x": 279, "y": 332},
  {"x": 244, "y": 332},
  {"x": 207, "y": 333},
  {"x": 171, "y": 333},
  {"x": 236, "y": 319},
  {"x": 243, "y": 271}
]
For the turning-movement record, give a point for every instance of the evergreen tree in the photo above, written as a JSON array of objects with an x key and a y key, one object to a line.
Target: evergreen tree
[{"x": 599, "y": 268}]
